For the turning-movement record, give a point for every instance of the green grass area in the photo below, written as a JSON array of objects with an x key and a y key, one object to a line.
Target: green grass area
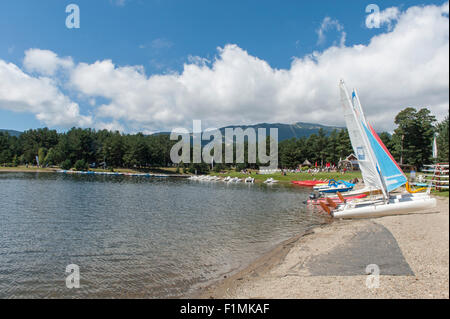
[
  {"x": 443, "y": 193},
  {"x": 292, "y": 176}
]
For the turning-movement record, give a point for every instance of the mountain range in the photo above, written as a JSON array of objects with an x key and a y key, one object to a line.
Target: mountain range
[
  {"x": 11, "y": 132},
  {"x": 285, "y": 131}
]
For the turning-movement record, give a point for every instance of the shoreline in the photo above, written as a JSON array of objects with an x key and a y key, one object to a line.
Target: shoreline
[
  {"x": 416, "y": 248},
  {"x": 120, "y": 171},
  {"x": 259, "y": 178},
  {"x": 27, "y": 170},
  {"x": 211, "y": 289}
]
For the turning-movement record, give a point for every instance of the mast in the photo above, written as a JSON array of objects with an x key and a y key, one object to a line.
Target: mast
[
  {"x": 372, "y": 155},
  {"x": 360, "y": 143}
]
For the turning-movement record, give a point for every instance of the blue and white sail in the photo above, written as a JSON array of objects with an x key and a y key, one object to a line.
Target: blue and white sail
[
  {"x": 361, "y": 146},
  {"x": 390, "y": 172},
  {"x": 378, "y": 168}
]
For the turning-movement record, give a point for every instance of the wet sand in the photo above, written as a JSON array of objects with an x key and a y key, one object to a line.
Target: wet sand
[{"x": 411, "y": 252}]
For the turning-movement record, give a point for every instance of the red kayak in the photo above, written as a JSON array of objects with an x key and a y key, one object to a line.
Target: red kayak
[
  {"x": 334, "y": 199},
  {"x": 309, "y": 183}
]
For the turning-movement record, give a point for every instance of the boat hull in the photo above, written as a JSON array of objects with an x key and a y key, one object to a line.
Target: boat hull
[
  {"x": 394, "y": 207},
  {"x": 309, "y": 183},
  {"x": 335, "y": 190}
]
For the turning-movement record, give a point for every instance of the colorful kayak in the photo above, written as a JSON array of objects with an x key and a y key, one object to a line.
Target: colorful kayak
[
  {"x": 336, "y": 189},
  {"x": 309, "y": 183},
  {"x": 334, "y": 186}
]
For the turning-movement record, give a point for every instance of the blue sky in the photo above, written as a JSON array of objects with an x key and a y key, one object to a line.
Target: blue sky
[{"x": 162, "y": 35}]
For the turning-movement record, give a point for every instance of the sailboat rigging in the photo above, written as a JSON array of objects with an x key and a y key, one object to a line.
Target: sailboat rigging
[{"x": 378, "y": 167}]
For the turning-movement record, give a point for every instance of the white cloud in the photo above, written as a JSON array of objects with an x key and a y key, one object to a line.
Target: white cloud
[
  {"x": 45, "y": 62},
  {"x": 20, "y": 92},
  {"x": 198, "y": 60},
  {"x": 110, "y": 126},
  {"x": 407, "y": 66},
  {"x": 389, "y": 16},
  {"x": 160, "y": 43},
  {"x": 326, "y": 25}
]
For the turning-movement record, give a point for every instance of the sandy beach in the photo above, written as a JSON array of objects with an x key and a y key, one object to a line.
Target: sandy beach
[{"x": 411, "y": 252}]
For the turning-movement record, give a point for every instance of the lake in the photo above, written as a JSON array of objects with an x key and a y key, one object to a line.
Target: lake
[{"x": 136, "y": 237}]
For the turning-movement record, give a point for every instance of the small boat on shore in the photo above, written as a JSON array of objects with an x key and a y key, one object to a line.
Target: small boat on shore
[
  {"x": 249, "y": 180},
  {"x": 379, "y": 169},
  {"x": 270, "y": 181},
  {"x": 400, "y": 204},
  {"x": 333, "y": 187},
  {"x": 309, "y": 183}
]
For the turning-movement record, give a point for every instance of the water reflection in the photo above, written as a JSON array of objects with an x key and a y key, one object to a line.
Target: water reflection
[{"x": 135, "y": 236}]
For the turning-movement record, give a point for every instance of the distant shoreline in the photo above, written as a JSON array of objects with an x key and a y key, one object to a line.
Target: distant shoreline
[
  {"x": 285, "y": 179},
  {"x": 34, "y": 169},
  {"x": 27, "y": 170}
]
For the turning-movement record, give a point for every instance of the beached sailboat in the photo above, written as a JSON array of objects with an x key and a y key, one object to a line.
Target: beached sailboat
[{"x": 379, "y": 169}]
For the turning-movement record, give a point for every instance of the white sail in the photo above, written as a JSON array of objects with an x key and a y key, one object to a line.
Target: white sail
[
  {"x": 360, "y": 146},
  {"x": 435, "y": 150},
  {"x": 391, "y": 174},
  {"x": 378, "y": 167}
]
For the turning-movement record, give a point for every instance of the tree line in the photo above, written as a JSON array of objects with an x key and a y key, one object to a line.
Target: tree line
[
  {"x": 85, "y": 146},
  {"x": 411, "y": 143}
]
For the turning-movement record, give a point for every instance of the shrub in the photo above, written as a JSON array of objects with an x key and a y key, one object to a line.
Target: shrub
[
  {"x": 67, "y": 164},
  {"x": 81, "y": 165},
  {"x": 16, "y": 161},
  {"x": 219, "y": 167},
  {"x": 201, "y": 168}
]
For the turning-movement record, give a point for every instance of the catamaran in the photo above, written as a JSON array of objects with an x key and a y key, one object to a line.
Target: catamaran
[{"x": 379, "y": 169}]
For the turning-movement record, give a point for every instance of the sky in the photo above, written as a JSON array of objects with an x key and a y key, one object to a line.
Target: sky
[{"x": 135, "y": 65}]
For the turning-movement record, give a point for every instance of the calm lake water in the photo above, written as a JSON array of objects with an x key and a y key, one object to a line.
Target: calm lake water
[{"x": 135, "y": 236}]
